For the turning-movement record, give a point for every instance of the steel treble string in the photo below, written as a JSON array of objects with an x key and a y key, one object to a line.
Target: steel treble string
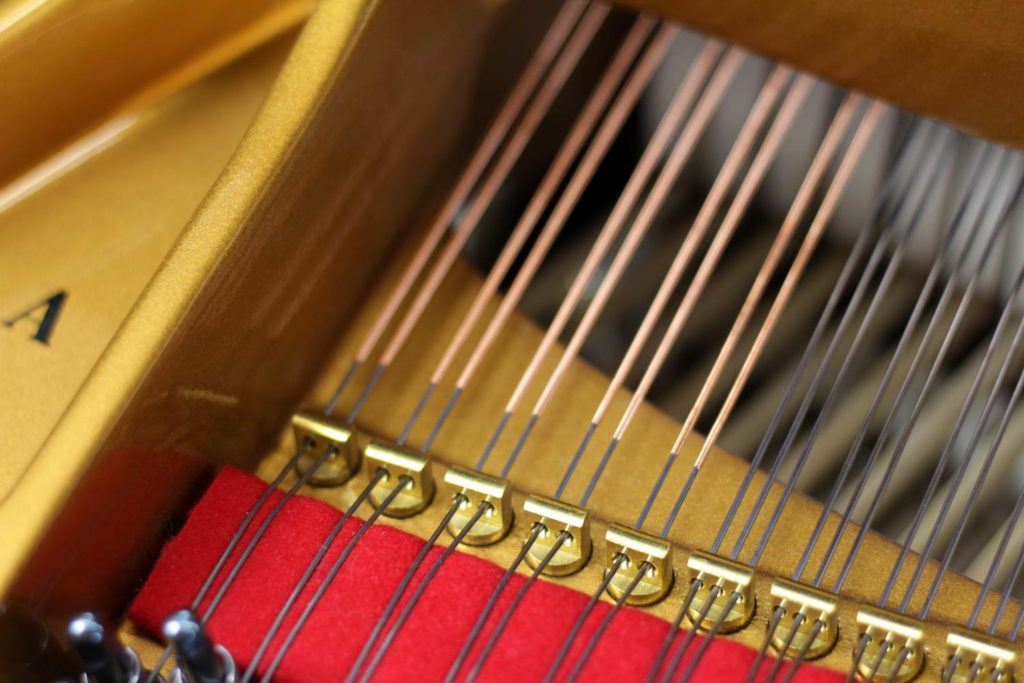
[
  {"x": 510, "y": 111},
  {"x": 335, "y": 567},
  {"x": 602, "y": 626},
  {"x": 679, "y": 153},
  {"x": 670, "y": 635},
  {"x": 874, "y": 262},
  {"x": 581, "y": 618},
  {"x": 984, "y": 469},
  {"x": 822, "y": 217},
  {"x": 798, "y": 620},
  {"x": 1011, "y": 579},
  {"x": 691, "y": 634},
  {"x": 947, "y": 451},
  {"x": 706, "y": 641},
  {"x": 798, "y": 658},
  {"x": 307, "y": 576},
  {"x": 492, "y": 601},
  {"x": 576, "y": 141},
  {"x": 414, "y": 598},
  {"x": 506, "y": 617},
  {"x": 745, "y": 142},
  {"x": 564, "y": 65},
  {"x": 814, "y": 175},
  {"x": 892, "y": 196},
  {"x": 965, "y": 299}
]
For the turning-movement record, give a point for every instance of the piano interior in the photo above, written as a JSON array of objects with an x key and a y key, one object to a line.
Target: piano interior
[{"x": 704, "y": 310}]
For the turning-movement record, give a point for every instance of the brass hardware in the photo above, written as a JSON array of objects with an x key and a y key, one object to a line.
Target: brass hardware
[
  {"x": 322, "y": 432},
  {"x": 731, "y": 577},
  {"x": 901, "y": 633},
  {"x": 816, "y": 606},
  {"x": 640, "y": 550},
  {"x": 473, "y": 489},
  {"x": 555, "y": 516},
  {"x": 991, "y": 658},
  {"x": 399, "y": 462}
]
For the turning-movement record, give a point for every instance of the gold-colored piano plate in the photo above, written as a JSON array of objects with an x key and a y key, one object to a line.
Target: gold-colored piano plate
[
  {"x": 68, "y": 66},
  {"x": 226, "y": 337},
  {"x": 628, "y": 477},
  {"x": 95, "y": 228}
]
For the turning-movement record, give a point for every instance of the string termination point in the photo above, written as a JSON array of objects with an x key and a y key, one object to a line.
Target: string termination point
[
  {"x": 732, "y": 578},
  {"x": 816, "y": 606},
  {"x": 555, "y": 517},
  {"x": 402, "y": 467},
  {"x": 979, "y": 657},
  {"x": 897, "y": 639},
  {"x": 321, "y": 432},
  {"x": 645, "y": 553},
  {"x": 472, "y": 489}
]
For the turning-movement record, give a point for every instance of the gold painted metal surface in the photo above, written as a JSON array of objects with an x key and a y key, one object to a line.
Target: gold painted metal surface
[
  {"x": 816, "y": 607},
  {"x": 318, "y": 432},
  {"x": 471, "y": 490},
  {"x": 731, "y": 578},
  {"x": 555, "y": 517},
  {"x": 635, "y": 553},
  {"x": 404, "y": 468},
  {"x": 889, "y": 636},
  {"x": 69, "y": 66},
  {"x": 980, "y": 657},
  {"x": 236, "y": 322},
  {"x": 629, "y": 476},
  {"x": 93, "y": 224}
]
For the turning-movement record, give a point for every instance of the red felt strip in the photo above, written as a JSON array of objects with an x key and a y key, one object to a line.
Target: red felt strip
[{"x": 426, "y": 646}]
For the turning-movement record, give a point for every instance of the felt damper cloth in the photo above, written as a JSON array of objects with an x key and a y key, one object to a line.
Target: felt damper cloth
[{"x": 428, "y": 643}]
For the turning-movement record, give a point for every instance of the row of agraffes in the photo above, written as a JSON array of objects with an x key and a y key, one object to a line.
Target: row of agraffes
[{"x": 716, "y": 595}]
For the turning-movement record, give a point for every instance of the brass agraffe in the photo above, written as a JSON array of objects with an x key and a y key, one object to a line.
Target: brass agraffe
[
  {"x": 404, "y": 468},
  {"x": 978, "y": 657},
  {"x": 893, "y": 645},
  {"x": 316, "y": 432},
  {"x": 554, "y": 517},
  {"x": 817, "y": 607},
  {"x": 629, "y": 552},
  {"x": 735, "y": 592},
  {"x": 471, "y": 490}
]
